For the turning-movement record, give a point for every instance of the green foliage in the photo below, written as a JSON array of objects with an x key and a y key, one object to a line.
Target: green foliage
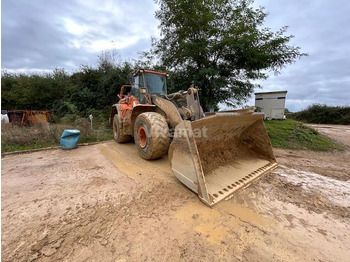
[
  {"x": 69, "y": 96},
  {"x": 220, "y": 46},
  {"x": 36, "y": 92},
  {"x": 323, "y": 114},
  {"x": 290, "y": 134}
]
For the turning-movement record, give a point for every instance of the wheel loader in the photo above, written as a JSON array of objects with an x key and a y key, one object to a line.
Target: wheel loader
[{"x": 213, "y": 154}]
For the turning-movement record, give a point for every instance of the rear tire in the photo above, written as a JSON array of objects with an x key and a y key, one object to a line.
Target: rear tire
[
  {"x": 118, "y": 133},
  {"x": 151, "y": 134}
]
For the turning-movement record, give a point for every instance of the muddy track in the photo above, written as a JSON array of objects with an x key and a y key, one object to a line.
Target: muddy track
[{"x": 104, "y": 203}]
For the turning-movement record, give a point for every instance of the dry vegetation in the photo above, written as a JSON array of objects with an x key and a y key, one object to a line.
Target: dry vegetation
[{"x": 14, "y": 137}]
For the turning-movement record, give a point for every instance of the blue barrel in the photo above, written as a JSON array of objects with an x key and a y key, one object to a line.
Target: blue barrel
[{"x": 69, "y": 138}]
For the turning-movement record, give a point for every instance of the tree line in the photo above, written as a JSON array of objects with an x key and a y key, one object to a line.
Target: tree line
[
  {"x": 86, "y": 90},
  {"x": 323, "y": 114}
]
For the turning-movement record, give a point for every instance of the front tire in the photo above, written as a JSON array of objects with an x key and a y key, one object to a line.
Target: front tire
[
  {"x": 151, "y": 134},
  {"x": 118, "y": 133}
]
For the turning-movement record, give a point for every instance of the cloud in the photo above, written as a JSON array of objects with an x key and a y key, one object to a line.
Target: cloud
[{"x": 43, "y": 35}]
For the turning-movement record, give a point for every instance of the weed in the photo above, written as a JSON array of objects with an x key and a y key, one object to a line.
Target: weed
[{"x": 14, "y": 137}]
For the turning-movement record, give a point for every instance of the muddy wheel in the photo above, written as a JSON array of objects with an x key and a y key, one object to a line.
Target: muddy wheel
[
  {"x": 118, "y": 131},
  {"x": 151, "y": 134}
]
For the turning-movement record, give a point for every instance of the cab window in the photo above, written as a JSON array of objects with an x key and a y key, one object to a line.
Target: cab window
[{"x": 155, "y": 84}]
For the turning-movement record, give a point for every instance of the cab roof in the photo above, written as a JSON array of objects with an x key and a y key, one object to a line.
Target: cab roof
[{"x": 140, "y": 71}]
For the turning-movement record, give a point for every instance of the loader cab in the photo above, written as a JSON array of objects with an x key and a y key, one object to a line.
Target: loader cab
[{"x": 149, "y": 82}]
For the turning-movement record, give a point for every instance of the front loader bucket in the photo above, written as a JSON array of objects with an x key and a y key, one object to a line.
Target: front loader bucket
[{"x": 219, "y": 154}]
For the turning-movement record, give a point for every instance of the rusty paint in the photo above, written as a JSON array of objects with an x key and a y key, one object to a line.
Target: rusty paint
[
  {"x": 29, "y": 117},
  {"x": 138, "y": 72}
]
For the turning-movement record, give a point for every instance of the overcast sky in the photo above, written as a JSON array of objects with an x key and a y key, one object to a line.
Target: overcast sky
[{"x": 39, "y": 35}]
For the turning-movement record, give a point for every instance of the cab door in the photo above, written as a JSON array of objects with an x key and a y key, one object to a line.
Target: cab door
[{"x": 138, "y": 84}]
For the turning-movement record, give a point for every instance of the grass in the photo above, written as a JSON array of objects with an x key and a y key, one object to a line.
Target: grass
[
  {"x": 291, "y": 134},
  {"x": 12, "y": 148},
  {"x": 17, "y": 138}
]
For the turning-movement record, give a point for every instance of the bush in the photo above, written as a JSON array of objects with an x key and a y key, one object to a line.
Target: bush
[
  {"x": 323, "y": 114},
  {"x": 78, "y": 94}
]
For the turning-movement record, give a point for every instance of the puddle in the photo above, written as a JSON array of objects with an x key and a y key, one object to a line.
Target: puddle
[
  {"x": 217, "y": 224},
  {"x": 214, "y": 234},
  {"x": 245, "y": 214}
]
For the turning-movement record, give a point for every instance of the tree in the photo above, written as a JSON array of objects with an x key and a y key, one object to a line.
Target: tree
[{"x": 219, "y": 45}]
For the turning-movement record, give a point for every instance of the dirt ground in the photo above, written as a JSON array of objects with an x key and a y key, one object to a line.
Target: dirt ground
[
  {"x": 104, "y": 203},
  {"x": 340, "y": 133}
]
